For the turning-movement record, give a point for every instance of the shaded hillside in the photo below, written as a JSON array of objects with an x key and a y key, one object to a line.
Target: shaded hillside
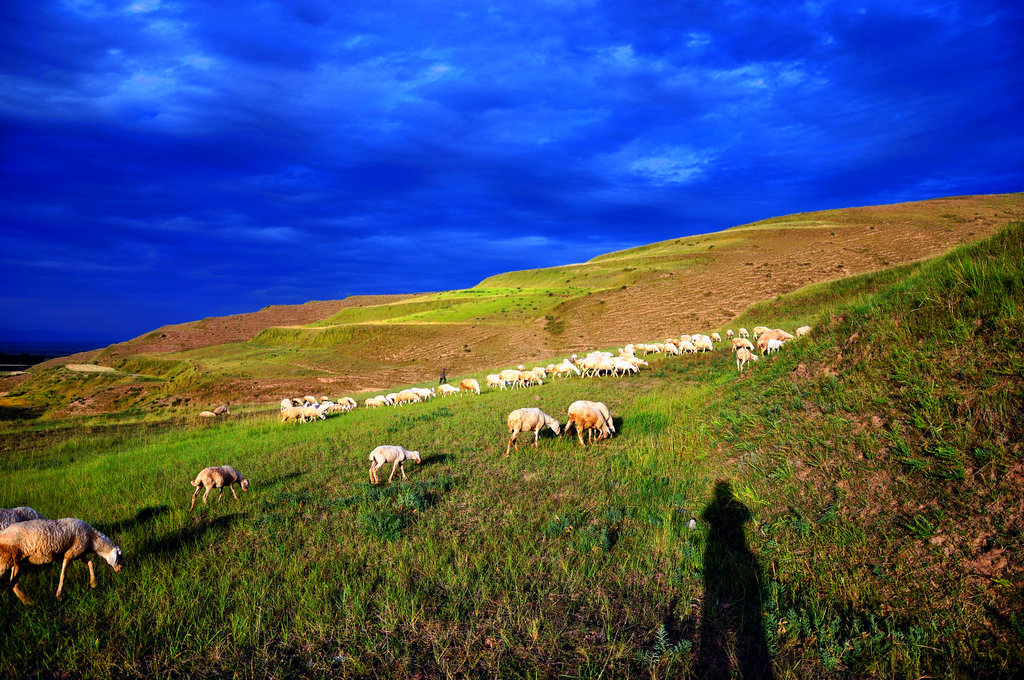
[{"x": 644, "y": 293}]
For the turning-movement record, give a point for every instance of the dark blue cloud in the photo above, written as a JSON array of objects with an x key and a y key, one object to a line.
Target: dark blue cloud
[{"x": 166, "y": 161}]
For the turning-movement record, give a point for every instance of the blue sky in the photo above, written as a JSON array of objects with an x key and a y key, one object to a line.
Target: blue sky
[{"x": 166, "y": 161}]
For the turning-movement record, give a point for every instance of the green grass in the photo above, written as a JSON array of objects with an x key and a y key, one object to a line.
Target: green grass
[{"x": 846, "y": 493}]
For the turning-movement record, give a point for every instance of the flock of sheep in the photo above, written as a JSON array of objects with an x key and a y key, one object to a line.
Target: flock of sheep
[{"x": 26, "y": 537}]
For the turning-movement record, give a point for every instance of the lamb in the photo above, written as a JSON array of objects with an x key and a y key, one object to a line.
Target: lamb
[
  {"x": 218, "y": 477},
  {"x": 447, "y": 389},
  {"x": 729, "y": 334},
  {"x": 529, "y": 420},
  {"x": 774, "y": 346},
  {"x": 493, "y": 381},
  {"x": 9, "y": 516},
  {"x": 41, "y": 541},
  {"x": 587, "y": 416},
  {"x": 716, "y": 337},
  {"x": 390, "y": 454},
  {"x": 744, "y": 333},
  {"x": 469, "y": 385},
  {"x": 777, "y": 334},
  {"x": 802, "y": 331},
  {"x": 743, "y": 355}
]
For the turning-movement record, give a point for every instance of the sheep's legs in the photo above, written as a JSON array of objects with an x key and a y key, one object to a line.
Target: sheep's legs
[
  {"x": 194, "y": 498},
  {"x": 536, "y": 439},
  {"x": 208, "y": 490},
  {"x": 63, "y": 569},
  {"x": 232, "y": 487},
  {"x": 25, "y": 599},
  {"x": 92, "y": 573},
  {"x": 511, "y": 440},
  {"x": 395, "y": 467},
  {"x": 373, "y": 472}
]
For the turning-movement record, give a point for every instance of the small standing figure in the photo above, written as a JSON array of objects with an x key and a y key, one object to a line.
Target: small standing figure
[{"x": 444, "y": 377}]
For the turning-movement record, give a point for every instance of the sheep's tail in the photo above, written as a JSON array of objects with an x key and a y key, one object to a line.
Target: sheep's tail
[{"x": 195, "y": 482}]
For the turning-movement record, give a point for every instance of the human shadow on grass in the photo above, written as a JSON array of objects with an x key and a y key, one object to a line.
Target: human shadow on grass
[
  {"x": 146, "y": 514},
  {"x": 732, "y": 639},
  {"x": 187, "y": 537}
]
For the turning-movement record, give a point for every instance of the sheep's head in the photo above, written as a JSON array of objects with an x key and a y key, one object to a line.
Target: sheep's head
[
  {"x": 115, "y": 558},
  {"x": 555, "y": 427},
  {"x": 415, "y": 455},
  {"x": 245, "y": 484}
]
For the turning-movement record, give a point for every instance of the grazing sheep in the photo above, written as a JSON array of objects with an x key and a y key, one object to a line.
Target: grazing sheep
[
  {"x": 218, "y": 477},
  {"x": 743, "y": 355},
  {"x": 41, "y": 541},
  {"x": 587, "y": 416},
  {"x": 348, "y": 402},
  {"x": 301, "y": 413},
  {"x": 469, "y": 385},
  {"x": 744, "y": 333},
  {"x": 390, "y": 454},
  {"x": 604, "y": 411},
  {"x": 310, "y": 400},
  {"x": 493, "y": 381},
  {"x": 773, "y": 346},
  {"x": 529, "y": 420},
  {"x": 566, "y": 367},
  {"x": 716, "y": 337},
  {"x": 222, "y": 411},
  {"x": 286, "y": 403},
  {"x": 424, "y": 392},
  {"x": 447, "y": 389},
  {"x": 703, "y": 344},
  {"x": 9, "y": 516},
  {"x": 777, "y": 334},
  {"x": 207, "y": 414},
  {"x": 510, "y": 376},
  {"x": 406, "y": 396},
  {"x": 802, "y": 331},
  {"x": 374, "y": 402},
  {"x": 729, "y": 334},
  {"x": 738, "y": 343},
  {"x": 686, "y": 347},
  {"x": 760, "y": 330}
]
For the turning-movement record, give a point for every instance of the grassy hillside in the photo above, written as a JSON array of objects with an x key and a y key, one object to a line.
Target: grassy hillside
[
  {"x": 857, "y": 505},
  {"x": 657, "y": 290}
]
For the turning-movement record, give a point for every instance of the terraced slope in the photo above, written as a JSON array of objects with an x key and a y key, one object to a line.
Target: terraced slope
[{"x": 649, "y": 292}]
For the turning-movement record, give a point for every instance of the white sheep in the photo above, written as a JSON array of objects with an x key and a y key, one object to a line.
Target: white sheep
[
  {"x": 390, "y": 454},
  {"x": 469, "y": 385},
  {"x": 447, "y": 389},
  {"x": 687, "y": 347},
  {"x": 743, "y": 355},
  {"x": 510, "y": 376},
  {"x": 742, "y": 343},
  {"x": 584, "y": 415},
  {"x": 9, "y": 516},
  {"x": 802, "y": 331},
  {"x": 703, "y": 344},
  {"x": 41, "y": 541},
  {"x": 529, "y": 420},
  {"x": 760, "y": 330},
  {"x": 409, "y": 396},
  {"x": 729, "y": 334},
  {"x": 207, "y": 414},
  {"x": 773, "y": 346},
  {"x": 744, "y": 333},
  {"x": 716, "y": 337},
  {"x": 218, "y": 478},
  {"x": 374, "y": 402},
  {"x": 286, "y": 403},
  {"x": 310, "y": 400},
  {"x": 777, "y": 334},
  {"x": 493, "y": 381},
  {"x": 424, "y": 392}
]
